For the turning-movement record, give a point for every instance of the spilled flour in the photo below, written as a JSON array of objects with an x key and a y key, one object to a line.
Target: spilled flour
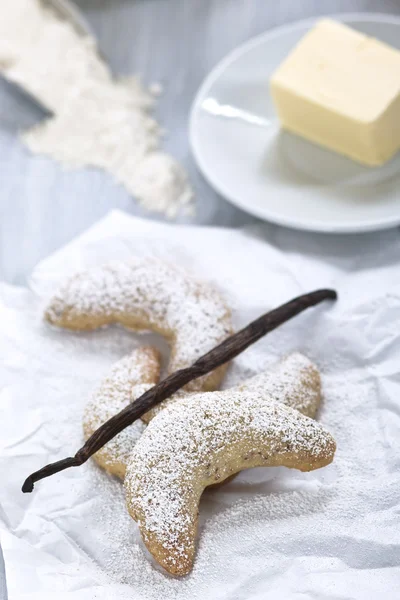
[{"x": 96, "y": 120}]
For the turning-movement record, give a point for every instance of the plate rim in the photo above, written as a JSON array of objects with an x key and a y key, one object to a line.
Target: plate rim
[{"x": 215, "y": 73}]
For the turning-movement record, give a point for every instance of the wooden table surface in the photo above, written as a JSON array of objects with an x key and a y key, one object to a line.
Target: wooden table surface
[{"x": 175, "y": 42}]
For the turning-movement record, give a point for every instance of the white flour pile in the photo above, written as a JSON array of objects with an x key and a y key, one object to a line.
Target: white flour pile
[{"x": 97, "y": 121}]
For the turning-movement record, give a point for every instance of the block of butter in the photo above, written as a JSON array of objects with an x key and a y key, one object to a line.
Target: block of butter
[{"x": 341, "y": 89}]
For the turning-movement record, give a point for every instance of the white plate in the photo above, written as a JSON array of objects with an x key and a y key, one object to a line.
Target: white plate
[{"x": 236, "y": 141}]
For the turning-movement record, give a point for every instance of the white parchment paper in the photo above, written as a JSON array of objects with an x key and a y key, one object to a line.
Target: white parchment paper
[{"x": 270, "y": 534}]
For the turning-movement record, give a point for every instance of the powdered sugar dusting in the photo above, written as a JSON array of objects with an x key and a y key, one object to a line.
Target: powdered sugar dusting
[
  {"x": 294, "y": 381},
  {"x": 129, "y": 378},
  {"x": 204, "y": 439},
  {"x": 146, "y": 293},
  {"x": 239, "y": 527}
]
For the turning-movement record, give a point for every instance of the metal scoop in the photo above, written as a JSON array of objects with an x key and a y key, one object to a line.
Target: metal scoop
[{"x": 65, "y": 11}]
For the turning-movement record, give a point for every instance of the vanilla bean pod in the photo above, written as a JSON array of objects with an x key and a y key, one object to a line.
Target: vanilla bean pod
[{"x": 224, "y": 352}]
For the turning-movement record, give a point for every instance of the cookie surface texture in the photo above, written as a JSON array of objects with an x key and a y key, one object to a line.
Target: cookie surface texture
[
  {"x": 205, "y": 438},
  {"x": 128, "y": 379},
  {"x": 148, "y": 294},
  {"x": 294, "y": 381}
]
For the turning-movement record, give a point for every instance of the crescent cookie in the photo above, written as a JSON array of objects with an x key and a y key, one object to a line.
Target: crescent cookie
[
  {"x": 203, "y": 439},
  {"x": 147, "y": 293},
  {"x": 294, "y": 381},
  {"x": 129, "y": 378}
]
